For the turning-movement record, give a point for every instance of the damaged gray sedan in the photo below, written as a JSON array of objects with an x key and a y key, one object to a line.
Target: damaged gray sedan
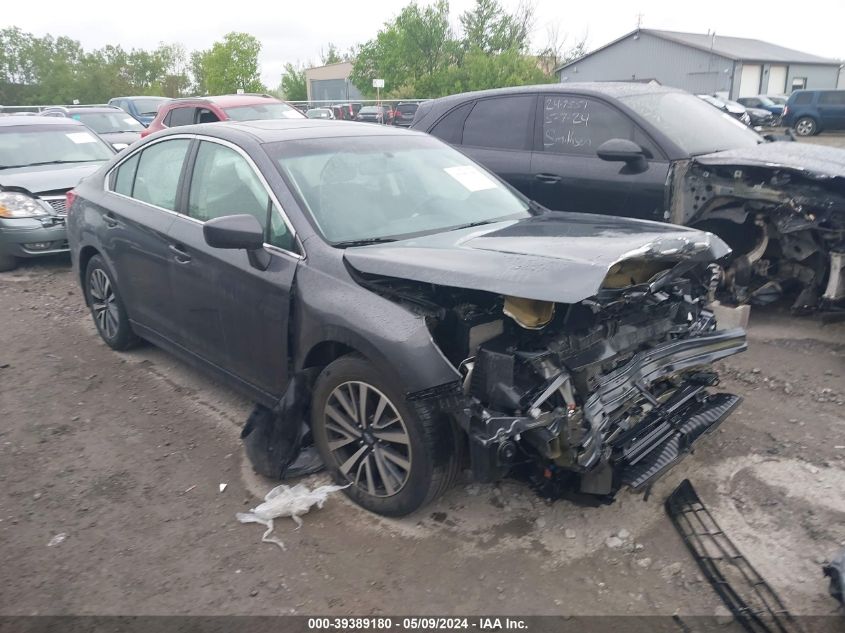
[{"x": 378, "y": 292}]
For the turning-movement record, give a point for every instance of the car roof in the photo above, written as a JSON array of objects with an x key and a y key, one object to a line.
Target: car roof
[
  {"x": 274, "y": 130},
  {"x": 85, "y": 109},
  {"x": 615, "y": 89},
  {"x": 12, "y": 120},
  {"x": 230, "y": 100},
  {"x": 143, "y": 97}
]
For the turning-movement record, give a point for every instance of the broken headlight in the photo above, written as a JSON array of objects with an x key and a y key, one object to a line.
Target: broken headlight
[{"x": 20, "y": 205}]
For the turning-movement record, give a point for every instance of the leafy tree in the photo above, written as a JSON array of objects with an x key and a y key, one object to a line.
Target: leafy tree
[
  {"x": 414, "y": 49},
  {"x": 228, "y": 65},
  {"x": 331, "y": 56},
  {"x": 293, "y": 85},
  {"x": 489, "y": 27}
]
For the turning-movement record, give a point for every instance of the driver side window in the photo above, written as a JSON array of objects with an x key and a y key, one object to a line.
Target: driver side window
[
  {"x": 577, "y": 125},
  {"x": 224, "y": 183}
]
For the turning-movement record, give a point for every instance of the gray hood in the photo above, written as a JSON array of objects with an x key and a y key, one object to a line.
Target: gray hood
[
  {"x": 561, "y": 257},
  {"x": 47, "y": 178},
  {"x": 814, "y": 161}
]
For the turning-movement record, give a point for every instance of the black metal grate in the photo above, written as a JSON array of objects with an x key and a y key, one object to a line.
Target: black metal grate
[
  {"x": 58, "y": 204},
  {"x": 750, "y": 599}
]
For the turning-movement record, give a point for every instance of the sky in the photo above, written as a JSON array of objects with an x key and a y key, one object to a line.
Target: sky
[{"x": 297, "y": 31}]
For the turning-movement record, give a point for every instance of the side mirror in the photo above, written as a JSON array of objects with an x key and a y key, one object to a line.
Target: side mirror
[
  {"x": 238, "y": 232},
  {"x": 623, "y": 150},
  {"x": 620, "y": 149}
]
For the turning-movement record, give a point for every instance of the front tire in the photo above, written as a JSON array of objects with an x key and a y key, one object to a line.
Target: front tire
[
  {"x": 398, "y": 456},
  {"x": 107, "y": 308},
  {"x": 806, "y": 126},
  {"x": 8, "y": 262}
]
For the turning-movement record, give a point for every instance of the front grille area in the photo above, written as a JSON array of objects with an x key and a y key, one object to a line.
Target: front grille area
[{"x": 58, "y": 204}]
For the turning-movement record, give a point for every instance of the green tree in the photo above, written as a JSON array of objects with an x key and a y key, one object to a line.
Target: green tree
[
  {"x": 228, "y": 65},
  {"x": 331, "y": 55},
  {"x": 414, "y": 49},
  {"x": 487, "y": 26},
  {"x": 293, "y": 85}
]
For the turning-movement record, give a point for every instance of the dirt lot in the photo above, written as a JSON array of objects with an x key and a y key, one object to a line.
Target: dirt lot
[{"x": 124, "y": 453}]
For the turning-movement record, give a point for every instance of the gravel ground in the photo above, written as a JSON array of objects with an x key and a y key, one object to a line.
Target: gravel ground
[
  {"x": 123, "y": 454},
  {"x": 110, "y": 465}
]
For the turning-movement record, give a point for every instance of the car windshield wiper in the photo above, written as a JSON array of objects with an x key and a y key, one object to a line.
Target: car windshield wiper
[
  {"x": 53, "y": 162},
  {"x": 471, "y": 224},
  {"x": 363, "y": 242}
]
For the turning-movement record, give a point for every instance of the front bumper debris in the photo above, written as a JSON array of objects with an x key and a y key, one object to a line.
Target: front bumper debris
[
  {"x": 636, "y": 455},
  {"x": 749, "y": 598}
]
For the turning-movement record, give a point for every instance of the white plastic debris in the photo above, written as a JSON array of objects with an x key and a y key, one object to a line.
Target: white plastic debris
[
  {"x": 56, "y": 540},
  {"x": 286, "y": 501},
  {"x": 223, "y": 487}
]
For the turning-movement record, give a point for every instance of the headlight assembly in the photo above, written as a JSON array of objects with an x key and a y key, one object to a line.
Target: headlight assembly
[{"x": 20, "y": 205}]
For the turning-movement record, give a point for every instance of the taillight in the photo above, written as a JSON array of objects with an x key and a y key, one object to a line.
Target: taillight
[
  {"x": 785, "y": 110},
  {"x": 70, "y": 196}
]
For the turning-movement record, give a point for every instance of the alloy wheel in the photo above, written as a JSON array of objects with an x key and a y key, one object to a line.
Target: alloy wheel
[
  {"x": 368, "y": 438},
  {"x": 103, "y": 303},
  {"x": 804, "y": 127}
]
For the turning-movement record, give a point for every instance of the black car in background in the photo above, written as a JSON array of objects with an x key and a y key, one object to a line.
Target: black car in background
[
  {"x": 659, "y": 153},
  {"x": 407, "y": 305},
  {"x": 375, "y": 114},
  {"x": 41, "y": 158},
  {"x": 112, "y": 124},
  {"x": 403, "y": 115}
]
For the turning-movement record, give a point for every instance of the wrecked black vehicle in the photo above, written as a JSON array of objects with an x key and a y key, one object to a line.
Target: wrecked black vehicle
[
  {"x": 378, "y": 291},
  {"x": 659, "y": 153}
]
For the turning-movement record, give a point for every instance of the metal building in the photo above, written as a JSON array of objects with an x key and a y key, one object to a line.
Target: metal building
[
  {"x": 331, "y": 83},
  {"x": 704, "y": 63}
]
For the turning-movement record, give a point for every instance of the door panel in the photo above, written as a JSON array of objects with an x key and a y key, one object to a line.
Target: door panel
[
  {"x": 230, "y": 312},
  {"x": 749, "y": 83},
  {"x": 135, "y": 227},
  {"x": 832, "y": 109},
  {"x": 569, "y": 176},
  {"x": 777, "y": 80}
]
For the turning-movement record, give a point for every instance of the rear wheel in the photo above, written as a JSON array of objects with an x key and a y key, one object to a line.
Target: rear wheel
[
  {"x": 396, "y": 456},
  {"x": 806, "y": 126},
  {"x": 107, "y": 307}
]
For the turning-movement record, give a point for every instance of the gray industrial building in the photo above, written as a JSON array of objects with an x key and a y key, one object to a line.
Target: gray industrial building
[{"x": 704, "y": 63}]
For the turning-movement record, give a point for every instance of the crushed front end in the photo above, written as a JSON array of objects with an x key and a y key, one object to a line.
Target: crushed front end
[
  {"x": 781, "y": 208},
  {"x": 609, "y": 391}
]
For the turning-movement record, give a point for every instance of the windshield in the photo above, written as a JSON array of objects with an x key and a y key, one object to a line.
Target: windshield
[
  {"x": 318, "y": 114},
  {"x": 148, "y": 106},
  {"x": 22, "y": 146},
  {"x": 108, "y": 122},
  {"x": 391, "y": 187},
  {"x": 260, "y": 111},
  {"x": 766, "y": 101},
  {"x": 694, "y": 125},
  {"x": 369, "y": 110},
  {"x": 409, "y": 108}
]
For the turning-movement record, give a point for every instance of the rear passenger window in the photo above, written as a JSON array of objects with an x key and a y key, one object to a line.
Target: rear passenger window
[
  {"x": 157, "y": 174},
  {"x": 832, "y": 98},
  {"x": 181, "y": 116},
  {"x": 803, "y": 98},
  {"x": 451, "y": 127},
  {"x": 500, "y": 122},
  {"x": 575, "y": 125},
  {"x": 125, "y": 176}
]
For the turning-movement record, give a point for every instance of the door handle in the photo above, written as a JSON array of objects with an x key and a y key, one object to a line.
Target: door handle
[
  {"x": 110, "y": 221},
  {"x": 179, "y": 253},
  {"x": 549, "y": 178}
]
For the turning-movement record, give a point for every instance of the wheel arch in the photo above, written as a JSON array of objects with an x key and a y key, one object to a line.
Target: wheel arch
[{"x": 86, "y": 253}]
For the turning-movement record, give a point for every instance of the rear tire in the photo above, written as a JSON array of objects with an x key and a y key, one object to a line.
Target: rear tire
[
  {"x": 806, "y": 126},
  {"x": 398, "y": 456},
  {"x": 8, "y": 262},
  {"x": 107, "y": 308}
]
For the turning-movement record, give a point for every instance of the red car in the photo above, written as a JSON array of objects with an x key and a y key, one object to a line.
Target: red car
[{"x": 246, "y": 107}]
